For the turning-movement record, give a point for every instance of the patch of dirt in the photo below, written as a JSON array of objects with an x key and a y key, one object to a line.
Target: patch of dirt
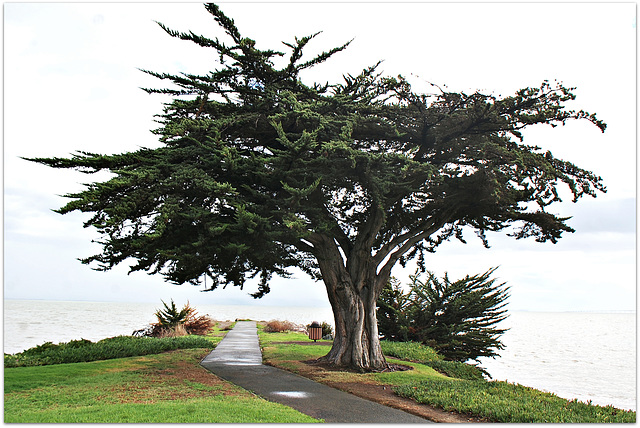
[
  {"x": 331, "y": 368},
  {"x": 171, "y": 382},
  {"x": 224, "y": 325},
  {"x": 383, "y": 394}
]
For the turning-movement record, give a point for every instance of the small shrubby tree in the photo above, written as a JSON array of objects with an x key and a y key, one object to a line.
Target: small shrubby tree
[
  {"x": 170, "y": 316},
  {"x": 259, "y": 172},
  {"x": 174, "y": 322},
  {"x": 457, "y": 318}
]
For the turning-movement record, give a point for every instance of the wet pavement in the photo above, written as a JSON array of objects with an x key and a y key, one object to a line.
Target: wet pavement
[{"x": 238, "y": 359}]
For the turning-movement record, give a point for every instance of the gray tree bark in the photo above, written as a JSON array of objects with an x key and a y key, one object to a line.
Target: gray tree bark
[{"x": 353, "y": 289}]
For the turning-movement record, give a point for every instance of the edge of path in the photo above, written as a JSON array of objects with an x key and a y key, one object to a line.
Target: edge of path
[{"x": 388, "y": 399}]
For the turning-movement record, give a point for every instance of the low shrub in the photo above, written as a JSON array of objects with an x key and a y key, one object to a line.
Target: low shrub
[
  {"x": 39, "y": 349},
  {"x": 176, "y": 331},
  {"x": 199, "y": 325},
  {"x": 170, "y": 316},
  {"x": 459, "y": 319},
  {"x": 173, "y": 322},
  {"x": 277, "y": 326},
  {"x": 114, "y": 347}
]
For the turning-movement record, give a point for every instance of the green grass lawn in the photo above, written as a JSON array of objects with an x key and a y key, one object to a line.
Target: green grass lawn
[
  {"x": 461, "y": 390},
  {"x": 218, "y": 409},
  {"x": 508, "y": 402},
  {"x": 47, "y": 384},
  {"x": 169, "y": 387}
]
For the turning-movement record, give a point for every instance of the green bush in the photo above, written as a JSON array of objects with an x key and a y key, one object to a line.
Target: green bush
[
  {"x": 507, "y": 402},
  {"x": 173, "y": 322},
  {"x": 392, "y": 312},
  {"x": 456, "y": 318},
  {"x": 39, "y": 349},
  {"x": 116, "y": 347}
]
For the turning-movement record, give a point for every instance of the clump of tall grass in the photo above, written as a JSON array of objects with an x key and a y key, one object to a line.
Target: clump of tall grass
[
  {"x": 508, "y": 402},
  {"x": 84, "y": 350}
]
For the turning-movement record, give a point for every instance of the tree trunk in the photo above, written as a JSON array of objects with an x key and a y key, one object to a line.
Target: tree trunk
[
  {"x": 356, "y": 342},
  {"x": 353, "y": 300}
]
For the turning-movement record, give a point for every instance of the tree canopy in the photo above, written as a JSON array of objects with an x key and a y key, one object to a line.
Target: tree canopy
[{"x": 259, "y": 172}]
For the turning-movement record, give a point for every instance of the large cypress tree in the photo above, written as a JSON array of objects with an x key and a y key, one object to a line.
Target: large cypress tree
[{"x": 260, "y": 172}]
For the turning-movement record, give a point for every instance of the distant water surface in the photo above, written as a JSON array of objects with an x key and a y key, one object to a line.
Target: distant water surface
[
  {"x": 28, "y": 323},
  {"x": 584, "y": 355}
]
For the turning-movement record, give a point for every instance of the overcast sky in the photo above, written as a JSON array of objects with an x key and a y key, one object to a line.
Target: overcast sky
[{"x": 71, "y": 82}]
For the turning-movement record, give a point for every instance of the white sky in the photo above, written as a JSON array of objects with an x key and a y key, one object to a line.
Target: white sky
[{"x": 71, "y": 82}]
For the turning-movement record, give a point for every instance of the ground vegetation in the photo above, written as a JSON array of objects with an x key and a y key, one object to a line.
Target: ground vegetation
[
  {"x": 420, "y": 387},
  {"x": 457, "y": 318},
  {"x": 169, "y": 387}
]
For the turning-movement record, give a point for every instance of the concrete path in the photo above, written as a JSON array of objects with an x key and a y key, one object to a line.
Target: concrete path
[{"x": 238, "y": 359}]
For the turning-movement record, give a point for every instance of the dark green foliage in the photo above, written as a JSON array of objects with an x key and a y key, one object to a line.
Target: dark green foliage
[
  {"x": 260, "y": 172},
  {"x": 84, "y": 350},
  {"x": 456, "y": 318},
  {"x": 40, "y": 349},
  {"x": 170, "y": 316},
  {"x": 507, "y": 402},
  {"x": 327, "y": 330},
  {"x": 393, "y": 321}
]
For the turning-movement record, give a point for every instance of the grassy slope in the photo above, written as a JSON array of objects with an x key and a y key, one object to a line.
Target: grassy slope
[
  {"x": 170, "y": 387},
  {"x": 495, "y": 401}
]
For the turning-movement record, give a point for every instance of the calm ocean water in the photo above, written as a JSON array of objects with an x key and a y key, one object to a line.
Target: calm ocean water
[{"x": 584, "y": 355}]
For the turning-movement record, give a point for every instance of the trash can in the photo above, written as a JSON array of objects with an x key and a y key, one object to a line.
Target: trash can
[{"x": 315, "y": 331}]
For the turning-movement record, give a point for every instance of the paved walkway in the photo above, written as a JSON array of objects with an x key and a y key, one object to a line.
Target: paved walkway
[{"x": 238, "y": 359}]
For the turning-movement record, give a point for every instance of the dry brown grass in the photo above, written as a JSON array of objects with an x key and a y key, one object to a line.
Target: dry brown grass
[
  {"x": 177, "y": 331},
  {"x": 277, "y": 326},
  {"x": 199, "y": 325},
  {"x": 225, "y": 325},
  {"x": 164, "y": 377}
]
